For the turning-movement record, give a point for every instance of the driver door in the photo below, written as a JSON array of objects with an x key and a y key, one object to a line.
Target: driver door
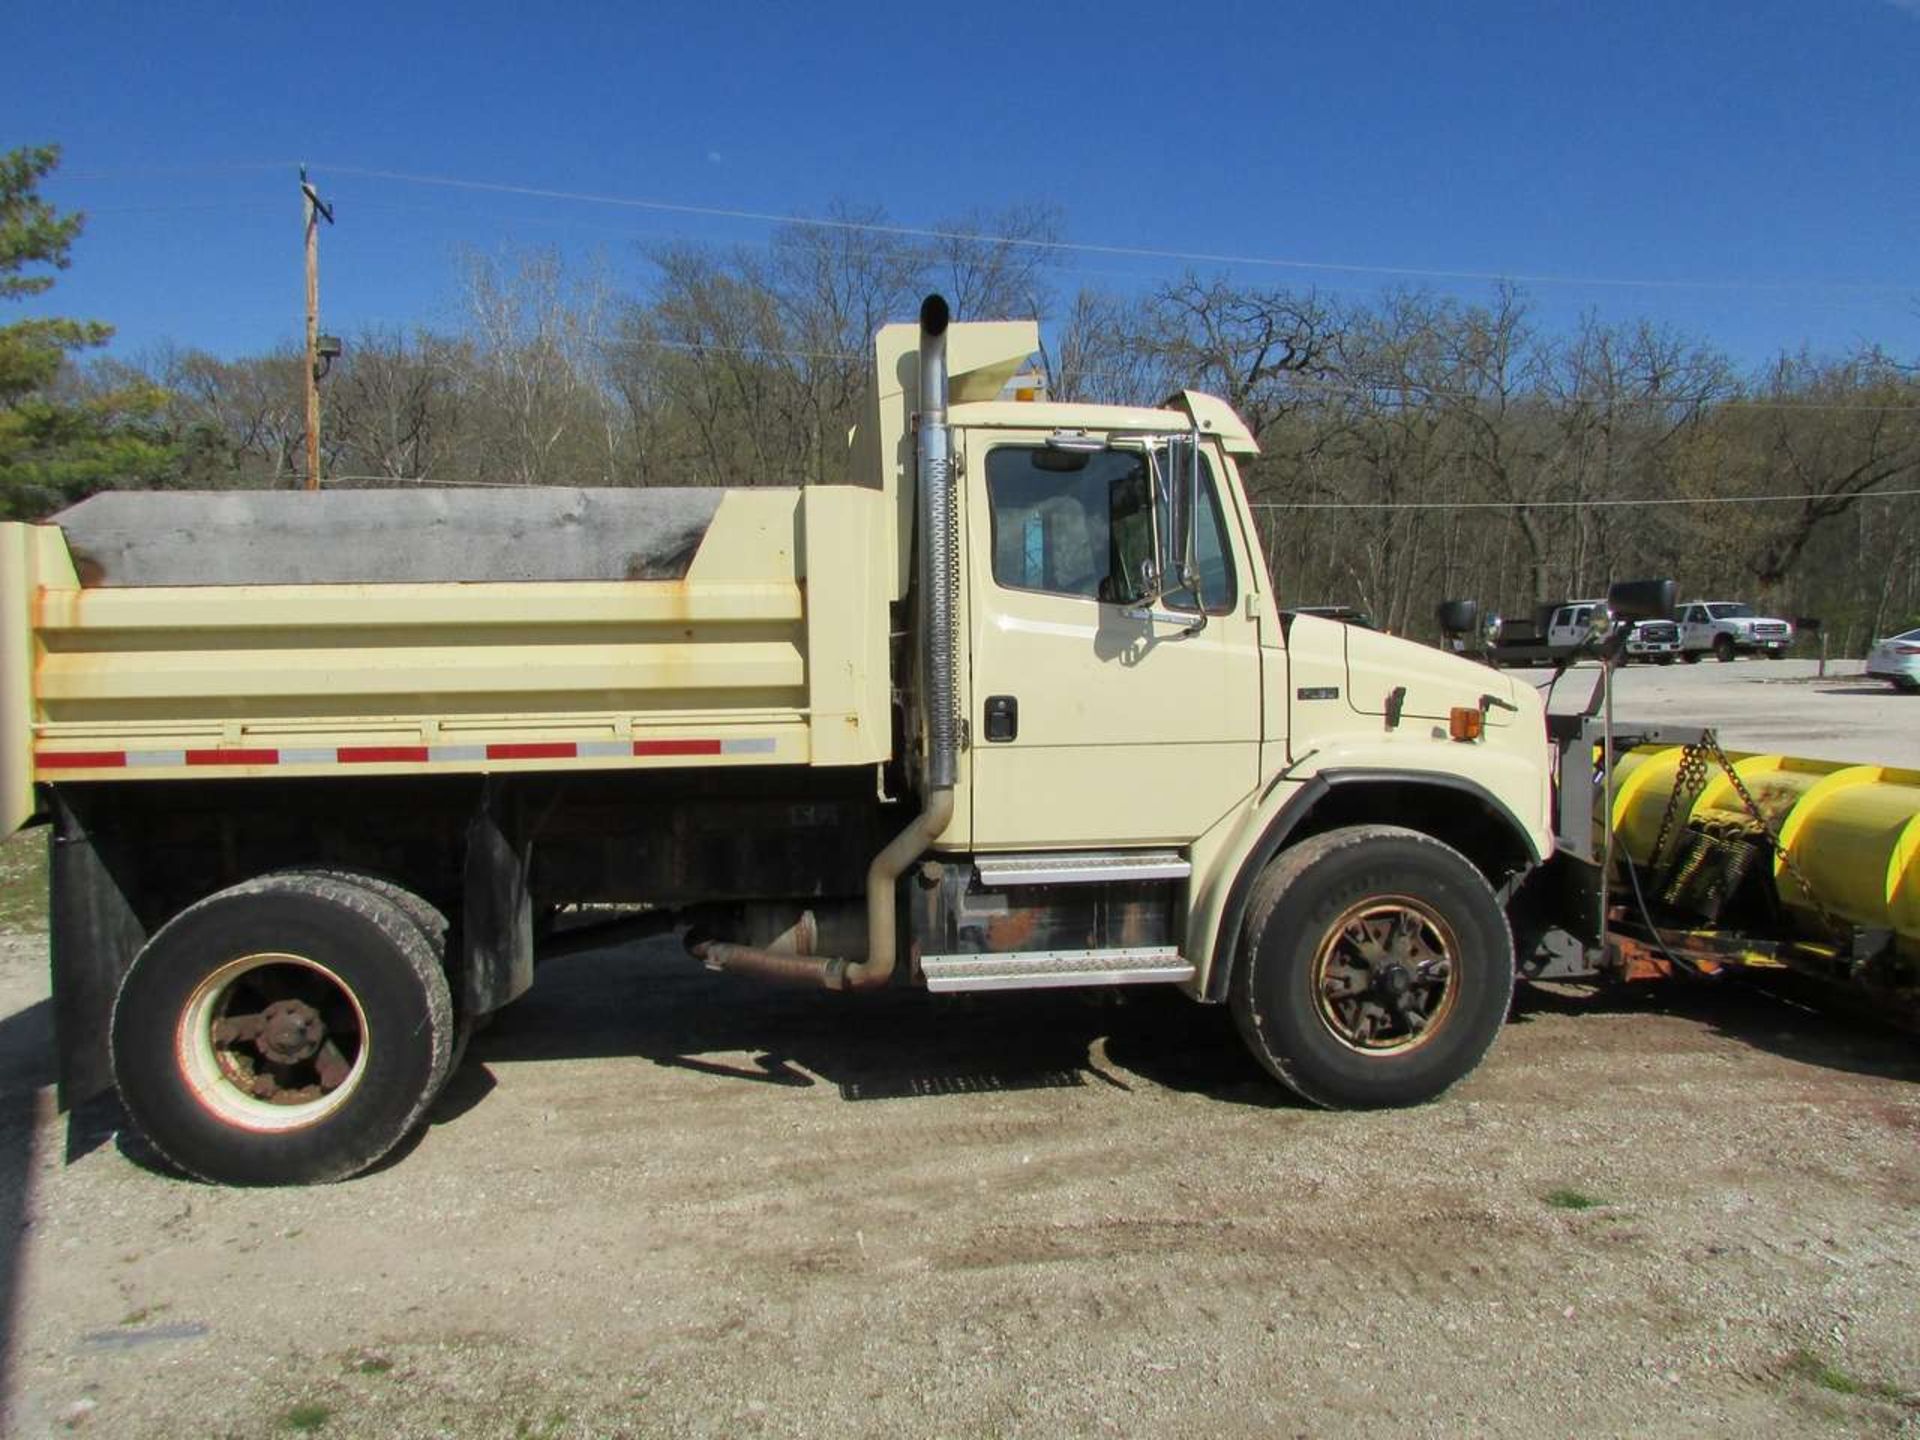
[{"x": 1097, "y": 721}]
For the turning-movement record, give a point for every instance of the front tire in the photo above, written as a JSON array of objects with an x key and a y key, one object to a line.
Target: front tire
[
  {"x": 1723, "y": 648},
  {"x": 1376, "y": 968},
  {"x": 290, "y": 1030}
]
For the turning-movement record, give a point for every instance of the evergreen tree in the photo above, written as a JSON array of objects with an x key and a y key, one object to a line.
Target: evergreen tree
[{"x": 60, "y": 439}]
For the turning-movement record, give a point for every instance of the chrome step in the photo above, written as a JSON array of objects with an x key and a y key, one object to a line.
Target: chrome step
[
  {"x": 1082, "y": 867},
  {"x": 1053, "y": 969}
]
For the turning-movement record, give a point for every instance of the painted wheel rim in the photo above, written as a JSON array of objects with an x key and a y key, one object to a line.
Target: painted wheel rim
[
  {"x": 272, "y": 1042},
  {"x": 1386, "y": 975}
]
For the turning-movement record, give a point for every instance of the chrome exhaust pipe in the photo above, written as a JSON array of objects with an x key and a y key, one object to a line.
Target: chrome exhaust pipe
[{"x": 940, "y": 598}]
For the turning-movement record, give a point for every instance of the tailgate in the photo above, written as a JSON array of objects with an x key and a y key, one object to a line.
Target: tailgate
[{"x": 30, "y": 556}]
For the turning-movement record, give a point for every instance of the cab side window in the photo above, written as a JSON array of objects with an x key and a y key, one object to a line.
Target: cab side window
[{"x": 1079, "y": 523}]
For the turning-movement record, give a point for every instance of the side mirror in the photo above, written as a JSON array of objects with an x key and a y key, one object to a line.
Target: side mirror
[
  {"x": 1458, "y": 617},
  {"x": 1643, "y": 599},
  {"x": 1178, "y": 570},
  {"x": 1132, "y": 561}
]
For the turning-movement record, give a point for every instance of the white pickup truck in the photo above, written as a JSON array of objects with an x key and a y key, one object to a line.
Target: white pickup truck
[
  {"x": 1652, "y": 640},
  {"x": 1726, "y": 628}
]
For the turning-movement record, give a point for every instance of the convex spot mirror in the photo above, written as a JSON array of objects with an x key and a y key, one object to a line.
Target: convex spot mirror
[{"x": 1458, "y": 617}]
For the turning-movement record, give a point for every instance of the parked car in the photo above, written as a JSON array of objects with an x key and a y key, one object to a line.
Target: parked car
[
  {"x": 1897, "y": 659},
  {"x": 1726, "y": 628}
]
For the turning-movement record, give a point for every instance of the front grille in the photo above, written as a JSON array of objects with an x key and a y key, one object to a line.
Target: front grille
[
  {"x": 1775, "y": 631},
  {"x": 1657, "y": 634}
]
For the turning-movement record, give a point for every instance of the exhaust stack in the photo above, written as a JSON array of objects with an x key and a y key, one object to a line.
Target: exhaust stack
[{"x": 939, "y": 598}]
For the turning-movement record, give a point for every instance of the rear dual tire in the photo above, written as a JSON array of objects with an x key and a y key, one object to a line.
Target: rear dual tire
[
  {"x": 289, "y": 1030},
  {"x": 1376, "y": 968}
]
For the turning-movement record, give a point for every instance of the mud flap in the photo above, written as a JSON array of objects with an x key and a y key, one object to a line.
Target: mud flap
[
  {"x": 497, "y": 915},
  {"x": 94, "y": 937}
]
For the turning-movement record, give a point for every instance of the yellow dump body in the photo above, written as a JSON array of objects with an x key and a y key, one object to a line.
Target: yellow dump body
[
  {"x": 1853, "y": 831},
  {"x": 768, "y": 646}
]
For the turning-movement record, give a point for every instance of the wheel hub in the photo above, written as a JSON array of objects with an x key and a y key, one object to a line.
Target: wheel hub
[
  {"x": 292, "y": 1031},
  {"x": 270, "y": 1036},
  {"x": 1384, "y": 975}
]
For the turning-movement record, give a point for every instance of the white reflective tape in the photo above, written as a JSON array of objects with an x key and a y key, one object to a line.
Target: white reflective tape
[
  {"x": 156, "y": 757},
  {"x": 747, "y": 747},
  {"x": 309, "y": 757},
  {"x": 606, "y": 750},
  {"x": 456, "y": 752}
]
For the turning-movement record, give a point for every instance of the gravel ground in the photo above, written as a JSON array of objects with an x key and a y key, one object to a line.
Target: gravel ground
[{"x": 658, "y": 1202}]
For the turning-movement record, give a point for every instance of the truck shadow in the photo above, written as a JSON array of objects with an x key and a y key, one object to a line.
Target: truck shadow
[
  {"x": 653, "y": 1002},
  {"x": 26, "y": 1070}
]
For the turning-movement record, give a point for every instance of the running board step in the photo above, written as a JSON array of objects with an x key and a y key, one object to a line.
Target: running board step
[
  {"x": 1053, "y": 969},
  {"x": 1083, "y": 867}
]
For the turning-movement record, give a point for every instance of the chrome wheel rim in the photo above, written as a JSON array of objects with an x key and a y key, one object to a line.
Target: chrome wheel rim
[
  {"x": 1386, "y": 975},
  {"x": 272, "y": 1042}
]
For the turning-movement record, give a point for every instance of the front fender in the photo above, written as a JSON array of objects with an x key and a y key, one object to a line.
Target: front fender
[{"x": 1246, "y": 844}]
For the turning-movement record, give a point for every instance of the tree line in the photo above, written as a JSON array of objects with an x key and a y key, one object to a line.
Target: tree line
[{"x": 1414, "y": 445}]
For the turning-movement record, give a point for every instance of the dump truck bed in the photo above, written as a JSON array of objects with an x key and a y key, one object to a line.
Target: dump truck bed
[{"x": 163, "y": 636}]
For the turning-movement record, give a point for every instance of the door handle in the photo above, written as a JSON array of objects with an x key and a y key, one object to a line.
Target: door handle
[{"x": 1003, "y": 719}]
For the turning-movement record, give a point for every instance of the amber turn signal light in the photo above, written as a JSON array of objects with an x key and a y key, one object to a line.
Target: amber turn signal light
[{"x": 1465, "y": 723}]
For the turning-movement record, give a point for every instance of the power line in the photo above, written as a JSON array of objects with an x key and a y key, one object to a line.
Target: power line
[
  {"x": 1085, "y": 247},
  {"x": 1603, "y": 504}
]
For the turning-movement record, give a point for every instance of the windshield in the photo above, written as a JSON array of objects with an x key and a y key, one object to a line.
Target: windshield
[{"x": 1729, "y": 612}]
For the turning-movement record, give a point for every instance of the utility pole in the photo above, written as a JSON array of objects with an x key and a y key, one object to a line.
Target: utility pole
[{"x": 312, "y": 210}]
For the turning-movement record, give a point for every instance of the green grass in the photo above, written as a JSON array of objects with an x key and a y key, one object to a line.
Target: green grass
[
  {"x": 1806, "y": 1365},
  {"x": 546, "y": 1429},
  {"x": 23, "y": 880},
  {"x": 1567, "y": 1198},
  {"x": 373, "y": 1365},
  {"x": 307, "y": 1417}
]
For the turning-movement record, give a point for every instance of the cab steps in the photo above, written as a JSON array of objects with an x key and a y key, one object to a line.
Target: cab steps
[
  {"x": 1080, "y": 867},
  {"x": 1055, "y": 969}
]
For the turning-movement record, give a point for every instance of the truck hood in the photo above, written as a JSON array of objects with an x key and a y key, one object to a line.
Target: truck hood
[{"x": 1434, "y": 681}]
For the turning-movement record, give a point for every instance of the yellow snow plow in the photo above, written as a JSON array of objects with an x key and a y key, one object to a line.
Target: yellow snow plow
[{"x": 1717, "y": 862}]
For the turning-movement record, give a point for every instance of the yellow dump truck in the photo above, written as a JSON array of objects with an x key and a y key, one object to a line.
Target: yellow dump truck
[{"x": 329, "y": 774}]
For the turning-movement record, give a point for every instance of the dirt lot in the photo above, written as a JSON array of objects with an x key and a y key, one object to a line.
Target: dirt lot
[{"x": 657, "y": 1202}]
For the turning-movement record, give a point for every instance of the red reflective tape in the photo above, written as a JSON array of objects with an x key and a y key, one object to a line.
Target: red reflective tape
[
  {"x": 676, "y": 747},
  {"x": 535, "y": 750},
  {"x": 233, "y": 757},
  {"x": 81, "y": 759},
  {"x": 379, "y": 754}
]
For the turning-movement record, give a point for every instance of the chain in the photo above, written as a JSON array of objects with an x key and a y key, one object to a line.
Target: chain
[
  {"x": 1689, "y": 779},
  {"x": 1711, "y": 742}
]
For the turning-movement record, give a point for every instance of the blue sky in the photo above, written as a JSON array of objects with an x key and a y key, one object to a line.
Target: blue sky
[{"x": 1748, "y": 173}]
